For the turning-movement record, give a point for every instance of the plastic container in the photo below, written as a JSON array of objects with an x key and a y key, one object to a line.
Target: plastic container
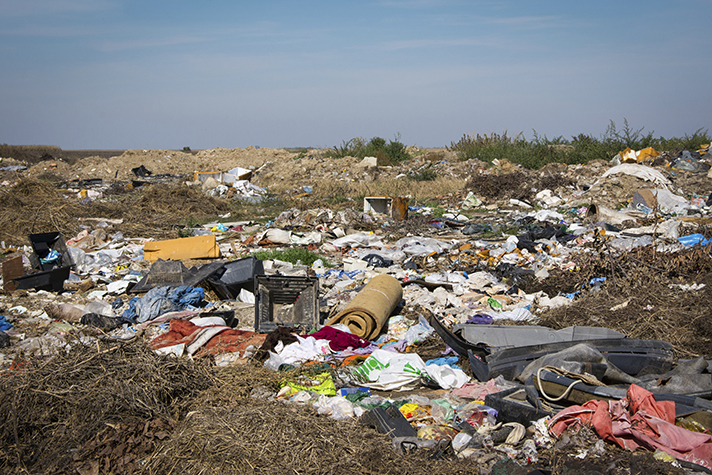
[
  {"x": 287, "y": 301},
  {"x": 235, "y": 276},
  {"x": 42, "y": 244},
  {"x": 50, "y": 280}
]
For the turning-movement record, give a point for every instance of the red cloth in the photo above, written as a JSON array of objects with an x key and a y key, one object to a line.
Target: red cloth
[
  {"x": 638, "y": 421},
  {"x": 338, "y": 340},
  {"x": 179, "y": 331},
  {"x": 231, "y": 341},
  {"x": 228, "y": 340}
]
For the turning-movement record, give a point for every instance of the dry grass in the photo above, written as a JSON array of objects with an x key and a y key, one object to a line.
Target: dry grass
[
  {"x": 230, "y": 432},
  {"x": 49, "y": 408},
  {"x": 35, "y": 206},
  {"x": 339, "y": 194},
  {"x": 652, "y": 309}
]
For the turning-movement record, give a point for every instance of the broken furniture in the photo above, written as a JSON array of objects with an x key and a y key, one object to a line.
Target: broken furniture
[
  {"x": 11, "y": 269},
  {"x": 396, "y": 207},
  {"x": 196, "y": 247}
]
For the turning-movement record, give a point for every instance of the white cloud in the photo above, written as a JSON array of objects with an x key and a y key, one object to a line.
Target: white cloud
[
  {"x": 18, "y": 8},
  {"x": 112, "y": 46},
  {"x": 436, "y": 43},
  {"x": 51, "y": 31}
]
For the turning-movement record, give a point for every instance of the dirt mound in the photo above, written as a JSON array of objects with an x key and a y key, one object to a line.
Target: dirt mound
[
  {"x": 29, "y": 153},
  {"x": 510, "y": 185},
  {"x": 162, "y": 162}
]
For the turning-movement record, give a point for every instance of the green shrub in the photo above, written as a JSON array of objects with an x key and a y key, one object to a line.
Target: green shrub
[
  {"x": 427, "y": 174},
  {"x": 582, "y": 148},
  {"x": 489, "y": 147},
  {"x": 688, "y": 142},
  {"x": 389, "y": 153}
]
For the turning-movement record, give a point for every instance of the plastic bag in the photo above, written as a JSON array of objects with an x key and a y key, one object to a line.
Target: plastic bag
[
  {"x": 385, "y": 370},
  {"x": 471, "y": 201},
  {"x": 337, "y": 407},
  {"x": 692, "y": 239},
  {"x": 447, "y": 377}
]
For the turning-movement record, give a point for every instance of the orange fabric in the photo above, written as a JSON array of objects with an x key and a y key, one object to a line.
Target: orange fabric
[
  {"x": 638, "y": 421},
  {"x": 179, "y": 331},
  {"x": 353, "y": 359}
]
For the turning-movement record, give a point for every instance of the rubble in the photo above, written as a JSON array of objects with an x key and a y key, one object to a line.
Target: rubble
[{"x": 462, "y": 329}]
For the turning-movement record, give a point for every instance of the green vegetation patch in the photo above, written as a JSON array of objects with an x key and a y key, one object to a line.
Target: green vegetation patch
[
  {"x": 390, "y": 153},
  {"x": 540, "y": 151},
  {"x": 295, "y": 255}
]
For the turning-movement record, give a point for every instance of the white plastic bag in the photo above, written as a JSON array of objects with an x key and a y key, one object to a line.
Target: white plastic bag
[
  {"x": 336, "y": 407},
  {"x": 447, "y": 376},
  {"x": 386, "y": 370}
]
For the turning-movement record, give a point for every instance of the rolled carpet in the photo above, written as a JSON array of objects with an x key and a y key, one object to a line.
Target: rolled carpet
[{"x": 368, "y": 312}]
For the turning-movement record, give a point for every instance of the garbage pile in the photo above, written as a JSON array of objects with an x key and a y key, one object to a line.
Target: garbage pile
[{"x": 508, "y": 328}]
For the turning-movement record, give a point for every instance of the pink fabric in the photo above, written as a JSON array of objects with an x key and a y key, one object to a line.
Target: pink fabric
[
  {"x": 638, "y": 421},
  {"x": 476, "y": 391}
]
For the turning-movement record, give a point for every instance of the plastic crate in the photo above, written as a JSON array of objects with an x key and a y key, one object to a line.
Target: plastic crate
[
  {"x": 42, "y": 244},
  {"x": 287, "y": 301},
  {"x": 50, "y": 280}
]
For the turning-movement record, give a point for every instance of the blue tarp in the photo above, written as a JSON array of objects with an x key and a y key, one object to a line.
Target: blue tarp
[{"x": 160, "y": 300}]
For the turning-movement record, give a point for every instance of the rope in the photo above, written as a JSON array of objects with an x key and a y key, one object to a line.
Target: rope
[{"x": 546, "y": 396}]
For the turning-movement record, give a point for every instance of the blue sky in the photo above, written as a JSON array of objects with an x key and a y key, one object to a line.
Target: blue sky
[{"x": 155, "y": 74}]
